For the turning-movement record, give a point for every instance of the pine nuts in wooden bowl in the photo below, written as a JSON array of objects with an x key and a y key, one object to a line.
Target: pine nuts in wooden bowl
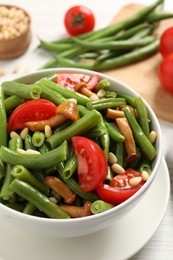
[{"x": 15, "y": 32}]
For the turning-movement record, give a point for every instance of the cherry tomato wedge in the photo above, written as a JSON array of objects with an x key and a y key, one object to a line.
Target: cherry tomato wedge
[
  {"x": 32, "y": 110},
  {"x": 119, "y": 189},
  {"x": 165, "y": 73},
  {"x": 79, "y": 19},
  {"x": 92, "y": 164},
  {"x": 166, "y": 42},
  {"x": 71, "y": 80}
]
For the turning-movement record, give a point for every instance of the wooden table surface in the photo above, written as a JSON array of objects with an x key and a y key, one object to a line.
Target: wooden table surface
[{"x": 47, "y": 23}]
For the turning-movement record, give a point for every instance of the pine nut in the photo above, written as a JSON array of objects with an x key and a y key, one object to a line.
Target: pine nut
[
  {"x": 152, "y": 136},
  {"x": 13, "y": 134},
  {"x": 47, "y": 131},
  {"x": 135, "y": 181},
  {"x": 16, "y": 68},
  {"x": 94, "y": 97},
  {"x": 24, "y": 133},
  {"x": 73, "y": 100},
  {"x": 101, "y": 93},
  {"x": 112, "y": 158},
  {"x": 53, "y": 199},
  {"x": 21, "y": 151},
  {"x": 118, "y": 168},
  {"x": 30, "y": 151},
  {"x": 145, "y": 175}
]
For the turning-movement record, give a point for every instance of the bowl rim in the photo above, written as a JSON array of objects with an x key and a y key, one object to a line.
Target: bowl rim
[{"x": 129, "y": 201}]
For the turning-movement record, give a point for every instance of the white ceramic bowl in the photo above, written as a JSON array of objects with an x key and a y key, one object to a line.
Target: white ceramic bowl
[{"x": 86, "y": 225}]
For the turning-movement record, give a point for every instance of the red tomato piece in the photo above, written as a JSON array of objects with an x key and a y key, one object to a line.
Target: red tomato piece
[
  {"x": 32, "y": 110},
  {"x": 166, "y": 42},
  {"x": 92, "y": 163},
  {"x": 119, "y": 189},
  {"x": 79, "y": 19},
  {"x": 71, "y": 80},
  {"x": 165, "y": 73}
]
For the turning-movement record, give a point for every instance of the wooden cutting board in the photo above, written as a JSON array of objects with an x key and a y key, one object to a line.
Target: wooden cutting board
[{"x": 142, "y": 76}]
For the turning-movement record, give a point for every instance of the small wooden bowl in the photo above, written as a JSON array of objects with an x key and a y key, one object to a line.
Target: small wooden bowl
[{"x": 15, "y": 46}]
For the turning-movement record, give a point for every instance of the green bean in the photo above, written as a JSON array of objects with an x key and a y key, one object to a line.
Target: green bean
[
  {"x": 119, "y": 152},
  {"x": 110, "y": 94},
  {"x": 128, "y": 98},
  {"x": 79, "y": 127},
  {"x": 12, "y": 102},
  {"x": 38, "y": 138},
  {"x": 128, "y": 58},
  {"x": 3, "y": 116},
  {"x": 54, "y": 46},
  {"x": 89, "y": 55},
  {"x": 23, "y": 174},
  {"x": 117, "y": 45},
  {"x": 158, "y": 16},
  {"x": 109, "y": 175},
  {"x": 44, "y": 148},
  {"x": 66, "y": 62},
  {"x": 23, "y": 91},
  {"x": 73, "y": 185},
  {"x": 50, "y": 94},
  {"x": 105, "y": 103},
  {"x": 35, "y": 161},
  {"x": 38, "y": 199},
  {"x": 103, "y": 84},
  {"x": 114, "y": 134},
  {"x": 29, "y": 209},
  {"x": 2, "y": 169},
  {"x": 70, "y": 166},
  {"x": 6, "y": 193},
  {"x": 100, "y": 206},
  {"x": 142, "y": 115},
  {"x": 66, "y": 93},
  {"x": 145, "y": 165},
  {"x": 140, "y": 138},
  {"x": 28, "y": 143}
]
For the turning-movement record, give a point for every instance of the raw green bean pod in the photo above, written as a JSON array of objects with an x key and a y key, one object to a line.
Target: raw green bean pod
[
  {"x": 3, "y": 117},
  {"x": 143, "y": 142},
  {"x": 79, "y": 127},
  {"x": 35, "y": 161},
  {"x": 23, "y": 91},
  {"x": 38, "y": 199},
  {"x": 12, "y": 102},
  {"x": 100, "y": 206},
  {"x": 23, "y": 174}
]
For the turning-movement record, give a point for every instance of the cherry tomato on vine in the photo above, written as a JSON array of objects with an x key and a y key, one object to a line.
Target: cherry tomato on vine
[
  {"x": 165, "y": 73},
  {"x": 71, "y": 80},
  {"x": 78, "y": 20},
  {"x": 92, "y": 163},
  {"x": 32, "y": 110},
  {"x": 166, "y": 42},
  {"x": 119, "y": 189}
]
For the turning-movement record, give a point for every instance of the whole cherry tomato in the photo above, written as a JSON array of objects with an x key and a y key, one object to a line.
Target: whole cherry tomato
[
  {"x": 166, "y": 42},
  {"x": 79, "y": 19},
  {"x": 165, "y": 73}
]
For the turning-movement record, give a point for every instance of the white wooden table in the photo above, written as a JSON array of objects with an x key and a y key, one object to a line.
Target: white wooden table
[{"x": 47, "y": 22}]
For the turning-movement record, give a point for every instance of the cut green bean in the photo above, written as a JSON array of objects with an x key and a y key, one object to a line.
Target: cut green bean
[
  {"x": 35, "y": 161},
  {"x": 3, "y": 117},
  {"x": 70, "y": 166},
  {"x": 145, "y": 165},
  {"x": 103, "y": 84},
  {"x": 12, "y": 102},
  {"x": 142, "y": 115},
  {"x": 140, "y": 138},
  {"x": 23, "y": 174},
  {"x": 28, "y": 143},
  {"x": 38, "y": 199},
  {"x": 114, "y": 134},
  {"x": 38, "y": 138},
  {"x": 29, "y": 209},
  {"x": 2, "y": 169},
  {"x": 105, "y": 103},
  {"x": 79, "y": 127},
  {"x": 23, "y": 91},
  {"x": 100, "y": 206}
]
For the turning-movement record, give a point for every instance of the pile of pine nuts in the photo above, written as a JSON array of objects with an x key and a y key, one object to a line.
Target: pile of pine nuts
[{"x": 13, "y": 22}]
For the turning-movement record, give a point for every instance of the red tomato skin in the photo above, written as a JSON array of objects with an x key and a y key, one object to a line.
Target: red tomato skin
[
  {"x": 92, "y": 163},
  {"x": 71, "y": 80},
  {"x": 32, "y": 110},
  {"x": 115, "y": 195},
  {"x": 166, "y": 42},
  {"x": 78, "y": 20},
  {"x": 165, "y": 73}
]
